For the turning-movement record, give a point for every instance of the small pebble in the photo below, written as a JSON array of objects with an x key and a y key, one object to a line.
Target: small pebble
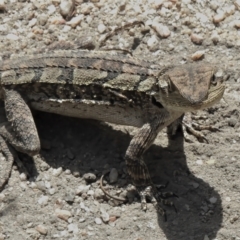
[
  {"x": 198, "y": 55},
  {"x": 42, "y": 20},
  {"x": 11, "y": 36},
  {"x": 194, "y": 184},
  {"x": 32, "y": 22},
  {"x": 75, "y": 21},
  {"x": 69, "y": 197},
  {"x": 57, "y": 172},
  {"x": 228, "y": 199},
  {"x": 152, "y": 43},
  {"x": 104, "y": 215},
  {"x": 67, "y": 172},
  {"x": 86, "y": 9},
  {"x": 51, "y": 9},
  {"x": 90, "y": 192},
  {"x": 218, "y": 18},
  {"x": 237, "y": 4},
  {"x": 98, "y": 221},
  {"x": 101, "y": 28},
  {"x": 162, "y": 30},
  {"x": 113, "y": 175},
  {"x": 2, "y": 197},
  {"x": 23, "y": 177},
  {"x": 56, "y": 20},
  {"x": 89, "y": 177},
  {"x": 2, "y": 6},
  {"x": 213, "y": 200},
  {"x": 215, "y": 38},
  {"x": 66, "y": 28},
  {"x": 237, "y": 24},
  {"x": 47, "y": 184},
  {"x": 82, "y": 189},
  {"x": 196, "y": 38},
  {"x": 66, "y": 8},
  {"x": 211, "y": 161},
  {"x": 98, "y": 194},
  {"x": 43, "y": 200},
  {"x": 2, "y": 236},
  {"x": 52, "y": 191},
  {"x": 158, "y": 3},
  {"x": 199, "y": 162},
  {"x": 42, "y": 229},
  {"x": 112, "y": 219},
  {"x": 82, "y": 220},
  {"x": 63, "y": 214},
  {"x": 73, "y": 228}
]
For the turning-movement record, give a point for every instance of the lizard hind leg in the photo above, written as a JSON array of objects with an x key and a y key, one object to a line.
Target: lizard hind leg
[
  {"x": 189, "y": 127},
  {"x": 20, "y": 130}
]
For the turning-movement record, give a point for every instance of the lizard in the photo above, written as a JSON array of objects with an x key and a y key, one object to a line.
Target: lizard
[{"x": 105, "y": 86}]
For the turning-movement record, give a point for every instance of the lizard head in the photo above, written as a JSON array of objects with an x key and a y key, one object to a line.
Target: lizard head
[{"x": 191, "y": 87}]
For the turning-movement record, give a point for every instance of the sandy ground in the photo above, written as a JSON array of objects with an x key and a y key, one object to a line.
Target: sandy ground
[{"x": 205, "y": 176}]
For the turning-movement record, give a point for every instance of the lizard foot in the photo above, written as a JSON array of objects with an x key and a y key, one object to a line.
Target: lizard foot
[
  {"x": 156, "y": 197},
  {"x": 190, "y": 126},
  {"x": 151, "y": 193},
  {"x": 7, "y": 159}
]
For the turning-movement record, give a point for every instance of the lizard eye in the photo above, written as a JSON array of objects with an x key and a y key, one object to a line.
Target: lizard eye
[
  {"x": 214, "y": 80},
  {"x": 171, "y": 86}
]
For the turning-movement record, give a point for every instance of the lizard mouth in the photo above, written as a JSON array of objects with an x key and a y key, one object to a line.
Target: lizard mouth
[{"x": 215, "y": 93}]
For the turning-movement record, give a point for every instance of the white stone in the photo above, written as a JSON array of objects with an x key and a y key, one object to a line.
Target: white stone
[
  {"x": 199, "y": 162},
  {"x": 75, "y": 21},
  {"x": 11, "y": 36},
  {"x": 98, "y": 221},
  {"x": 23, "y": 177},
  {"x": 73, "y": 228},
  {"x": 101, "y": 28},
  {"x": 51, "y": 9},
  {"x": 219, "y": 17},
  {"x": 47, "y": 184},
  {"x": 32, "y": 22},
  {"x": 57, "y": 172},
  {"x": 82, "y": 189},
  {"x": 42, "y": 229},
  {"x": 63, "y": 214},
  {"x": 228, "y": 199},
  {"x": 43, "y": 200},
  {"x": 51, "y": 191},
  {"x": 152, "y": 42}
]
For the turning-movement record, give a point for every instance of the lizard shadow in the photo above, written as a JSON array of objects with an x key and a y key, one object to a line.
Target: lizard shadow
[
  {"x": 197, "y": 217},
  {"x": 88, "y": 146}
]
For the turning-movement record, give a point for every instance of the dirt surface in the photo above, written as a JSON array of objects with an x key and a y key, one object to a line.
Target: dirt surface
[{"x": 62, "y": 200}]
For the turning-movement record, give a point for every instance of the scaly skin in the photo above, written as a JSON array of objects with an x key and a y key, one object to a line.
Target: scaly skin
[{"x": 108, "y": 87}]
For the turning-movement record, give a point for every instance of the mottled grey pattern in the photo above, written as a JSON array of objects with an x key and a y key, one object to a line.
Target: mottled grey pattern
[{"x": 107, "y": 87}]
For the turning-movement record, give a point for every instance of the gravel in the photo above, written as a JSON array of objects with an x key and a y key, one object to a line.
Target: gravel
[{"x": 63, "y": 200}]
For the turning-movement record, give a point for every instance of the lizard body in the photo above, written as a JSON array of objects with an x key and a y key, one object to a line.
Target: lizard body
[{"x": 108, "y": 87}]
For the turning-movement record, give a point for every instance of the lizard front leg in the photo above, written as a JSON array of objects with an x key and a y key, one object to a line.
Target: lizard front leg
[
  {"x": 20, "y": 130},
  {"x": 137, "y": 168}
]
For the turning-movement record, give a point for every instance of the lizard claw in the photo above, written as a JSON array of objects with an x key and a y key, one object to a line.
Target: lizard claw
[{"x": 156, "y": 197}]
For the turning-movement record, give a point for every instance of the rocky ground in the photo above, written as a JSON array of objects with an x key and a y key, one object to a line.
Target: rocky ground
[{"x": 63, "y": 200}]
